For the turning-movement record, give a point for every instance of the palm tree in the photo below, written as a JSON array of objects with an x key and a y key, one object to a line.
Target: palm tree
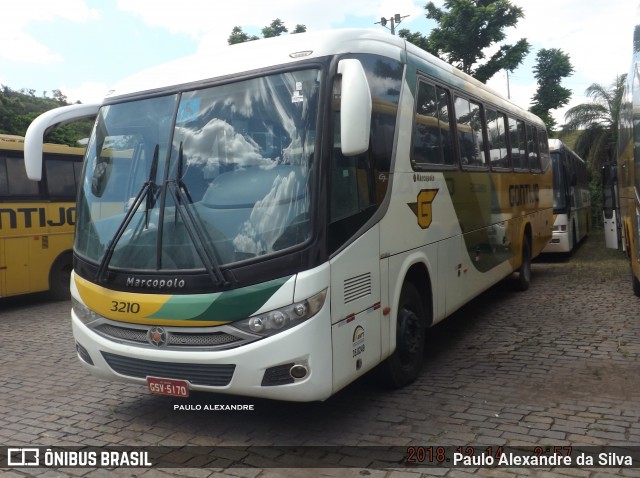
[{"x": 598, "y": 121}]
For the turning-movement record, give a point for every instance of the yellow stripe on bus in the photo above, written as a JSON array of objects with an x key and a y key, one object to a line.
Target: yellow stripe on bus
[{"x": 132, "y": 307}]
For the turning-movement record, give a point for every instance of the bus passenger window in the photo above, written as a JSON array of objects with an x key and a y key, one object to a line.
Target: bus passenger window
[
  {"x": 18, "y": 182},
  {"x": 431, "y": 133},
  {"x": 543, "y": 144},
  {"x": 518, "y": 146},
  {"x": 4, "y": 181},
  {"x": 469, "y": 125},
  {"x": 60, "y": 178},
  {"x": 496, "y": 133},
  {"x": 532, "y": 148}
]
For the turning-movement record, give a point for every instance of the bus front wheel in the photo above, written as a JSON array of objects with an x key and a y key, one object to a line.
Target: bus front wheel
[{"x": 404, "y": 365}]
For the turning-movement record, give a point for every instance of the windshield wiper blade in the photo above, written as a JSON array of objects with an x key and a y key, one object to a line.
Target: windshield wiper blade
[
  {"x": 181, "y": 185},
  {"x": 146, "y": 191},
  {"x": 195, "y": 233}
]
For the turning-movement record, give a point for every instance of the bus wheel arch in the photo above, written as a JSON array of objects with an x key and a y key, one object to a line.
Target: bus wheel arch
[
  {"x": 60, "y": 276},
  {"x": 414, "y": 314}
]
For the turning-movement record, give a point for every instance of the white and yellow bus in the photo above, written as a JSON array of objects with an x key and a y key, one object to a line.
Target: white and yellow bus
[
  {"x": 622, "y": 187},
  {"x": 571, "y": 199},
  {"x": 37, "y": 219},
  {"x": 293, "y": 212}
]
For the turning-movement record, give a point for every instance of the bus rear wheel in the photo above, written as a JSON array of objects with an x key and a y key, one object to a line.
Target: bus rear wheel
[
  {"x": 523, "y": 280},
  {"x": 404, "y": 365},
  {"x": 60, "y": 278},
  {"x": 635, "y": 283}
]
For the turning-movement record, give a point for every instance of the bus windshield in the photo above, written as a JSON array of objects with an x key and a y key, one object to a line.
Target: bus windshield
[{"x": 219, "y": 175}]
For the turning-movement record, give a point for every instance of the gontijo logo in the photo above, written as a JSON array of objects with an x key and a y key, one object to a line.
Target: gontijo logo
[{"x": 29, "y": 217}]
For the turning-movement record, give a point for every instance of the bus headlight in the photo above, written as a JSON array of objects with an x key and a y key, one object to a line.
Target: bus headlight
[
  {"x": 275, "y": 321},
  {"x": 84, "y": 313}
]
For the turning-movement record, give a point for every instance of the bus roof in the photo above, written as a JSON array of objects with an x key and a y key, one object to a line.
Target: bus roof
[
  {"x": 253, "y": 55},
  {"x": 556, "y": 145},
  {"x": 227, "y": 60}
]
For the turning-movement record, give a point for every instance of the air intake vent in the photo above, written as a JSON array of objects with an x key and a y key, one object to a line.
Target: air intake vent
[
  {"x": 198, "y": 374},
  {"x": 357, "y": 287}
]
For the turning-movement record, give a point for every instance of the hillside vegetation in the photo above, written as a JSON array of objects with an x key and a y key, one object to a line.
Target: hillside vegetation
[{"x": 19, "y": 108}]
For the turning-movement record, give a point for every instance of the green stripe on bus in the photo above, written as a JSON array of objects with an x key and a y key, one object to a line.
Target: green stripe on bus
[{"x": 224, "y": 307}]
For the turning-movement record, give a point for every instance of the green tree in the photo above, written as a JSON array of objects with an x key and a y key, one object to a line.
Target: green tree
[
  {"x": 468, "y": 30},
  {"x": 552, "y": 66},
  {"x": 299, "y": 28},
  {"x": 276, "y": 28},
  {"x": 597, "y": 122},
  {"x": 19, "y": 108},
  {"x": 418, "y": 39},
  {"x": 238, "y": 36}
]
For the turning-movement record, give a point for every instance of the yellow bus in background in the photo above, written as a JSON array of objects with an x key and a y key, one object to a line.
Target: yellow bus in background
[{"x": 37, "y": 219}]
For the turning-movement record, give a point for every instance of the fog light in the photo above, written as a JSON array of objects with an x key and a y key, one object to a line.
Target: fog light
[{"x": 298, "y": 371}]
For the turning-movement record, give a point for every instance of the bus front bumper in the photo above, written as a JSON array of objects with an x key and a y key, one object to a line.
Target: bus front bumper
[{"x": 258, "y": 369}]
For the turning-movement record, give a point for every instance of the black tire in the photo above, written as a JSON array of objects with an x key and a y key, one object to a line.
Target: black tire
[
  {"x": 60, "y": 278},
  {"x": 523, "y": 281},
  {"x": 404, "y": 365},
  {"x": 636, "y": 284}
]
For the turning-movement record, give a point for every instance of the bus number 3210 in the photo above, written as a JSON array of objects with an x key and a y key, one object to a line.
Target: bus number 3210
[{"x": 128, "y": 307}]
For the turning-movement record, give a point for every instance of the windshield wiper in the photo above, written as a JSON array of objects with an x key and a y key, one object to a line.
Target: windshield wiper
[
  {"x": 180, "y": 173},
  {"x": 182, "y": 199},
  {"x": 146, "y": 191}
]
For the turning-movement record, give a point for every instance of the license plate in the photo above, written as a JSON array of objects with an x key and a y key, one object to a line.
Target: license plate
[{"x": 168, "y": 386}]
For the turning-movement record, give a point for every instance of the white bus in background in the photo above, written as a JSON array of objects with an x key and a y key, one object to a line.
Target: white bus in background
[
  {"x": 571, "y": 199},
  {"x": 278, "y": 217}
]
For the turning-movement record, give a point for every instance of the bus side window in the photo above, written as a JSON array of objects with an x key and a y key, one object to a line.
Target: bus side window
[
  {"x": 432, "y": 142},
  {"x": 469, "y": 126},
  {"x": 17, "y": 181},
  {"x": 532, "y": 148},
  {"x": 60, "y": 178},
  {"x": 4, "y": 180},
  {"x": 518, "y": 145},
  {"x": 543, "y": 146},
  {"x": 497, "y": 137}
]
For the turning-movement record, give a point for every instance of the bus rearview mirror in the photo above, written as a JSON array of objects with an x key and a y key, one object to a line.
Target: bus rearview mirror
[
  {"x": 34, "y": 138},
  {"x": 355, "y": 108}
]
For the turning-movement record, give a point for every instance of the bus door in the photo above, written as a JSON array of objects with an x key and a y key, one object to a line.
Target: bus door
[
  {"x": 355, "y": 308},
  {"x": 14, "y": 266},
  {"x": 355, "y": 268},
  {"x": 609, "y": 207}
]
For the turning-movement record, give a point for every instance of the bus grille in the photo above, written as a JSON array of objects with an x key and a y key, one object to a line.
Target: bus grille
[
  {"x": 180, "y": 340},
  {"x": 196, "y": 374}
]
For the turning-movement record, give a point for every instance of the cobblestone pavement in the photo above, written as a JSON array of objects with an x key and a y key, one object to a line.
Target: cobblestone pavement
[{"x": 557, "y": 365}]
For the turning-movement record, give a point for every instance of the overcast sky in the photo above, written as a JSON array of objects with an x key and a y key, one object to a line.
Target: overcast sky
[{"x": 81, "y": 47}]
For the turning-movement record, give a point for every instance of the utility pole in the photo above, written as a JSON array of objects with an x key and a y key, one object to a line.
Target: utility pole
[{"x": 394, "y": 20}]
